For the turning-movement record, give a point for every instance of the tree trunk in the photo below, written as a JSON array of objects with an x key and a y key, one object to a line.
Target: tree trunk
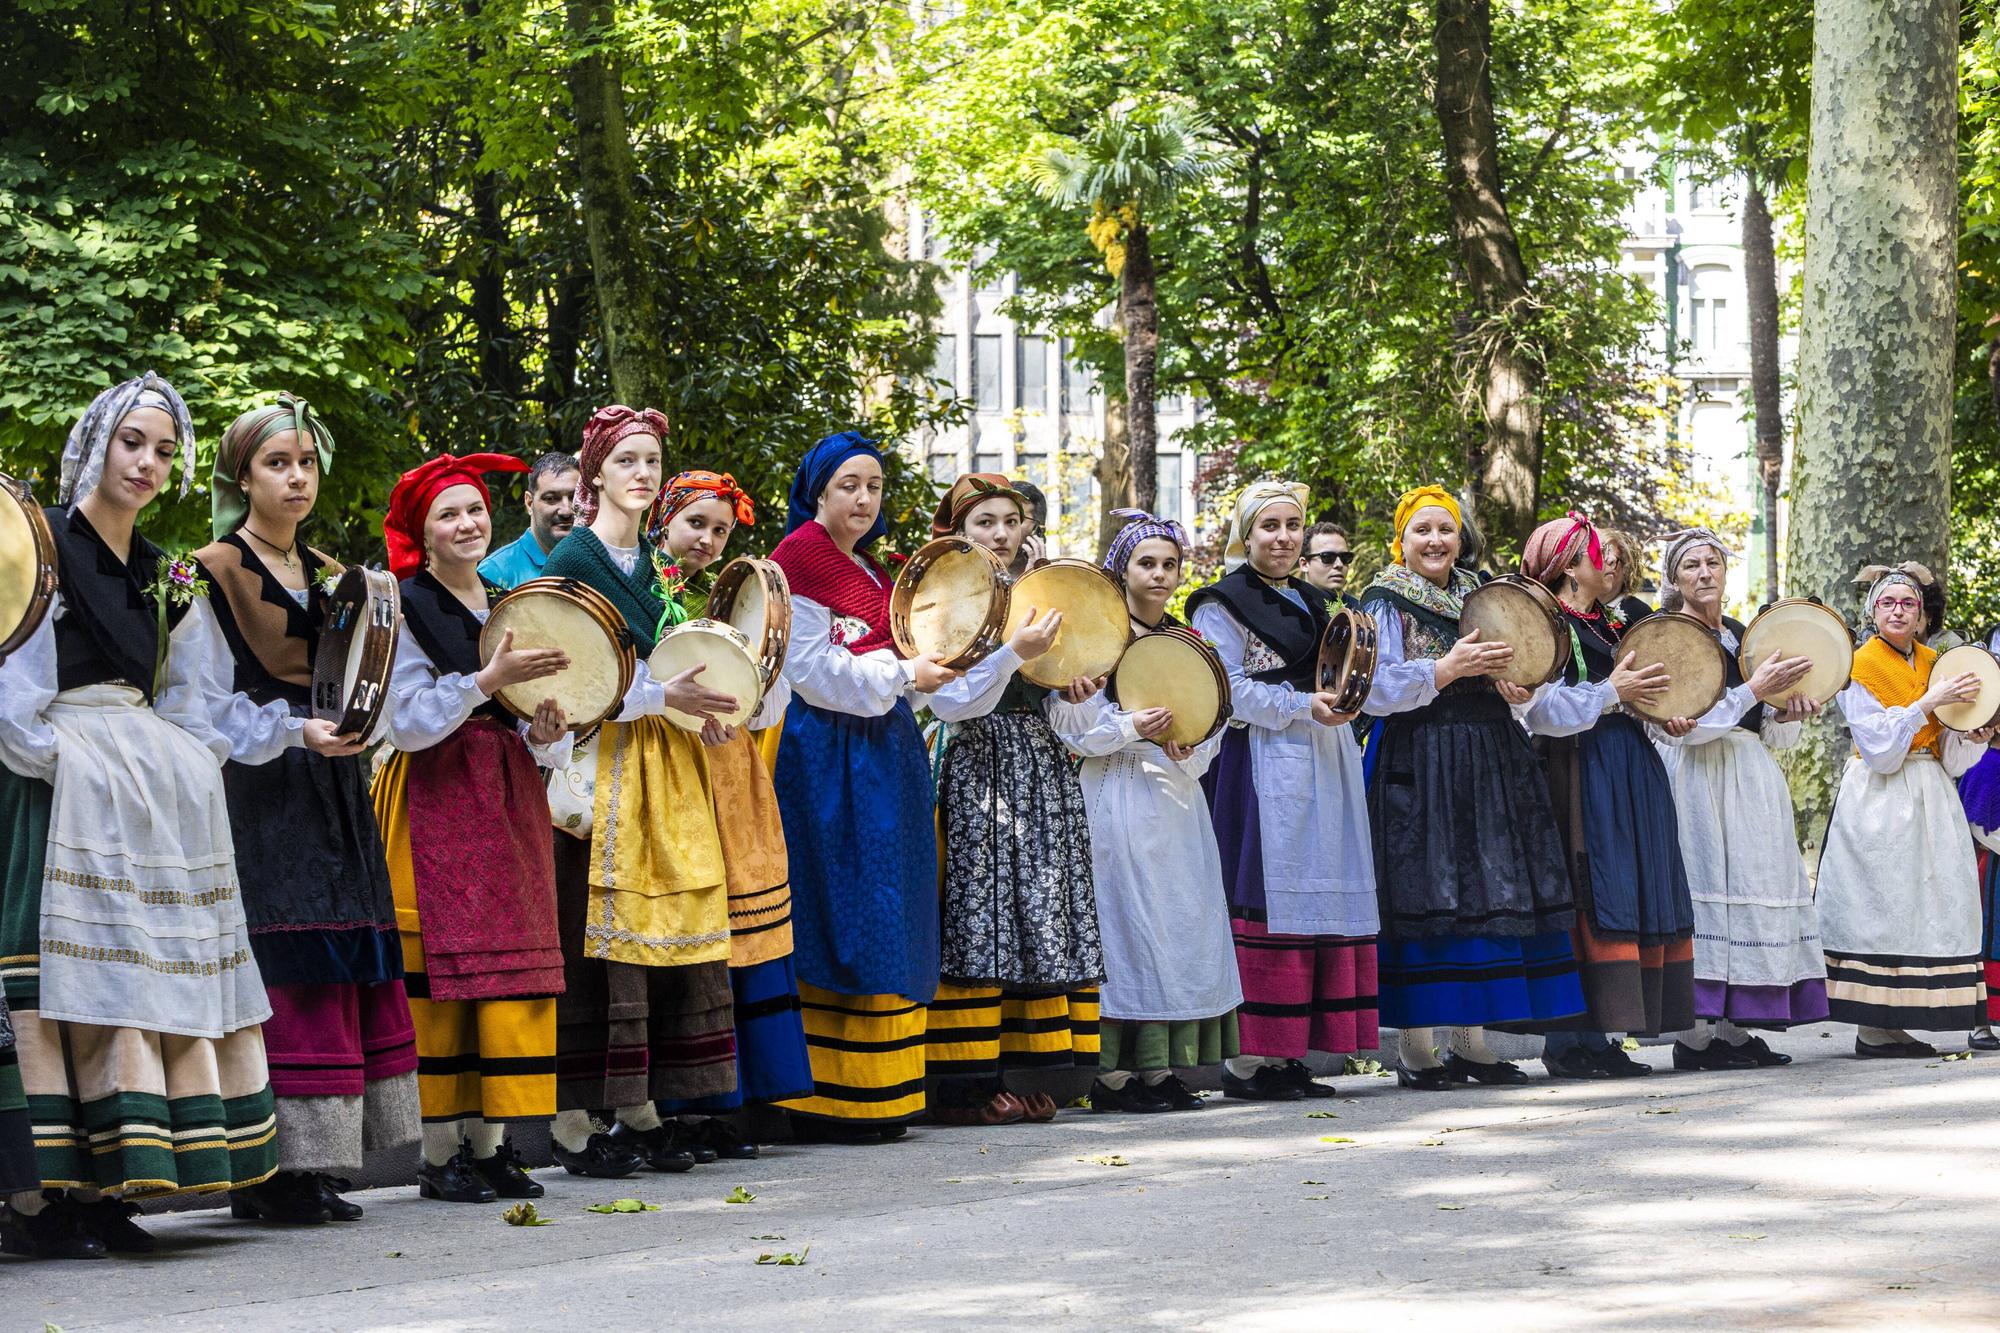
[
  {"x": 1114, "y": 470},
  {"x": 1872, "y": 476},
  {"x": 499, "y": 349},
  {"x": 1508, "y": 361},
  {"x": 1760, "y": 280},
  {"x": 628, "y": 300},
  {"x": 1140, "y": 310}
]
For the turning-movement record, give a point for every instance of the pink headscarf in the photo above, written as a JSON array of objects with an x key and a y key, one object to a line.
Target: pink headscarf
[
  {"x": 606, "y": 427},
  {"x": 1551, "y": 548}
]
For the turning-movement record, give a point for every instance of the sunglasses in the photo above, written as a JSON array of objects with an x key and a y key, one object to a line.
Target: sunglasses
[{"x": 1330, "y": 558}]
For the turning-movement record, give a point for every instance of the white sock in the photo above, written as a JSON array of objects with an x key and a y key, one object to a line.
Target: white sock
[
  {"x": 1730, "y": 1033},
  {"x": 1470, "y": 1044},
  {"x": 485, "y": 1137},
  {"x": 572, "y": 1129},
  {"x": 1115, "y": 1079},
  {"x": 1244, "y": 1066},
  {"x": 1155, "y": 1077},
  {"x": 642, "y": 1117},
  {"x": 441, "y": 1141},
  {"x": 1699, "y": 1036},
  {"x": 1419, "y": 1048},
  {"x": 28, "y": 1203}
]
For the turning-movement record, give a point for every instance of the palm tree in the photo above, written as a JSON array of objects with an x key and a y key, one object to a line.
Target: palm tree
[{"x": 1126, "y": 168}]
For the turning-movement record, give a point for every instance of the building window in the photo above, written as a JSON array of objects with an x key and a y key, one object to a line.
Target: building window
[
  {"x": 1167, "y": 477},
  {"x": 986, "y": 372},
  {"x": 944, "y": 468},
  {"x": 986, "y": 463},
  {"x": 1709, "y": 326},
  {"x": 1172, "y": 405},
  {"x": 1031, "y": 374},
  {"x": 1078, "y": 383},
  {"x": 944, "y": 363}
]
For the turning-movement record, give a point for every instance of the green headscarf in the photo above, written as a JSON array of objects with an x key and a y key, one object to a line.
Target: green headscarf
[{"x": 228, "y": 506}]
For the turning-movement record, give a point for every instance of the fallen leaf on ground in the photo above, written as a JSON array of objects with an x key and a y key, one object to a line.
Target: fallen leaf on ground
[
  {"x": 772, "y": 1237},
  {"x": 1451, "y": 1207},
  {"x": 623, "y": 1206},
  {"x": 1959, "y": 1055},
  {"x": 395, "y": 1254},
  {"x": 1329, "y": 1138},
  {"x": 1322, "y": 1115},
  {"x": 1900, "y": 1286},
  {"x": 787, "y": 1259},
  {"x": 1314, "y": 1198},
  {"x": 1080, "y": 1104},
  {"x": 1747, "y": 1235},
  {"x": 1107, "y": 1159},
  {"x": 740, "y": 1195},
  {"x": 521, "y": 1215},
  {"x": 1629, "y": 1044},
  {"x": 953, "y": 1180},
  {"x": 1358, "y": 1065},
  {"x": 1430, "y": 1143},
  {"x": 1661, "y": 1110},
  {"x": 1312, "y": 1182}
]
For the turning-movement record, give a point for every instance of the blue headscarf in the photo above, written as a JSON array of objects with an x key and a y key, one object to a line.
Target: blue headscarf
[
  {"x": 815, "y": 474},
  {"x": 1141, "y": 526}
]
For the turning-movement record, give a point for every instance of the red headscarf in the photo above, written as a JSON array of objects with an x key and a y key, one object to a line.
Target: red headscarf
[
  {"x": 410, "y": 502},
  {"x": 607, "y": 426},
  {"x": 688, "y": 487},
  {"x": 1551, "y": 548}
]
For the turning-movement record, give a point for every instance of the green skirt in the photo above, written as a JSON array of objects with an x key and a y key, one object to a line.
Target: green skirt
[{"x": 1142, "y": 1047}]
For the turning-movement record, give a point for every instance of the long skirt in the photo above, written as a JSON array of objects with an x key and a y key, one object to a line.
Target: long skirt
[
  {"x": 1019, "y": 910},
  {"x": 129, "y": 1110},
  {"x": 867, "y": 1057},
  {"x": 1758, "y": 960},
  {"x": 1989, "y": 934},
  {"x": 316, "y": 890},
  {"x": 1476, "y": 899},
  {"x": 1140, "y": 1047},
  {"x": 1305, "y": 992},
  {"x": 1899, "y": 902},
  {"x": 977, "y": 1033},
  {"x": 1635, "y": 917},
  {"x": 492, "y": 1059},
  {"x": 773, "y": 1062},
  {"x": 17, "y": 1135}
]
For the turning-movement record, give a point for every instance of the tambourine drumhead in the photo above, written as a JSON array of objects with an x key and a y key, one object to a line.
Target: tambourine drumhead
[
  {"x": 951, "y": 599},
  {"x": 1797, "y": 627},
  {"x": 1982, "y": 708},
  {"x": 729, "y": 667},
  {"x": 1347, "y": 658},
  {"x": 1508, "y": 611},
  {"x": 1095, "y": 626},
  {"x": 754, "y": 597},
  {"x": 1175, "y": 670},
  {"x": 1697, "y": 668},
  {"x": 27, "y": 568},
  {"x": 562, "y": 613}
]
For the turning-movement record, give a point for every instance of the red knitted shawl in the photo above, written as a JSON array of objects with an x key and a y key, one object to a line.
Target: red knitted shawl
[{"x": 818, "y": 569}]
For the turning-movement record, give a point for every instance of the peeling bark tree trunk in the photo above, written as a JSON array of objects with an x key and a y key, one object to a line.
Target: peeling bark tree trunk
[
  {"x": 1508, "y": 362},
  {"x": 1872, "y": 478},
  {"x": 1140, "y": 312},
  {"x": 628, "y": 302},
  {"x": 1114, "y": 469},
  {"x": 1760, "y": 280}
]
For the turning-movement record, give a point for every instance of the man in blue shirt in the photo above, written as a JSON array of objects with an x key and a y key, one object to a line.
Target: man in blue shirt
[{"x": 551, "y": 500}]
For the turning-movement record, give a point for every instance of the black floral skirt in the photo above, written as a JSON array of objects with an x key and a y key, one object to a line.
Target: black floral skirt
[{"x": 1019, "y": 908}]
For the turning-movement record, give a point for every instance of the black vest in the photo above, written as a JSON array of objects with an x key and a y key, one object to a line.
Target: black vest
[
  {"x": 110, "y": 627},
  {"x": 1286, "y": 628},
  {"x": 448, "y": 632}
]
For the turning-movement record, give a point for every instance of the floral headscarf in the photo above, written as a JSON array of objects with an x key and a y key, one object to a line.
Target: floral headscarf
[
  {"x": 83, "y": 452},
  {"x": 1140, "y": 527},
  {"x": 606, "y": 427}
]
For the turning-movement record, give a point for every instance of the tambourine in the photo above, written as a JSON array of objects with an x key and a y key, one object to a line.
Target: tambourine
[
  {"x": 27, "y": 565},
  {"x": 951, "y": 599},
  {"x": 357, "y": 650},
  {"x": 1801, "y": 627},
  {"x": 1175, "y": 669},
  {"x": 754, "y": 597},
  {"x": 1347, "y": 659},
  {"x": 1983, "y": 709},
  {"x": 1095, "y": 625},
  {"x": 1525, "y": 616},
  {"x": 1697, "y": 667},
  {"x": 575, "y": 617},
  {"x": 730, "y": 663}
]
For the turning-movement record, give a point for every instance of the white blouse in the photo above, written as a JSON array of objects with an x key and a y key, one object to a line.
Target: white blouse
[
  {"x": 426, "y": 705},
  {"x": 1251, "y": 702},
  {"x": 826, "y": 675},
  {"x": 1883, "y": 735}
]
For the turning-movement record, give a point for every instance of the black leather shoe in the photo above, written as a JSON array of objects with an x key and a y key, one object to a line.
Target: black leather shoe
[
  {"x": 1176, "y": 1094},
  {"x": 454, "y": 1182},
  {"x": 1271, "y": 1083},
  {"x": 506, "y": 1173},
  {"x": 1434, "y": 1079},
  {"x": 691, "y": 1140},
  {"x": 1895, "y": 1050},
  {"x": 1982, "y": 1039},
  {"x": 290, "y": 1198},
  {"x": 1716, "y": 1055},
  {"x": 1575, "y": 1063},
  {"x": 1616, "y": 1062},
  {"x": 655, "y": 1147},
  {"x": 845, "y": 1133},
  {"x": 1498, "y": 1073},
  {"x": 720, "y": 1134},
  {"x": 59, "y": 1231},
  {"x": 1761, "y": 1054},
  {"x": 1308, "y": 1086},
  {"x": 890, "y": 1133},
  {"x": 1135, "y": 1098},
  {"x": 601, "y": 1159},
  {"x": 337, "y": 1208},
  {"x": 110, "y": 1220}
]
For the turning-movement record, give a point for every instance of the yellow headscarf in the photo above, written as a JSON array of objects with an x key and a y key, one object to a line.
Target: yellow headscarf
[
  {"x": 1255, "y": 497},
  {"x": 1422, "y": 497}
]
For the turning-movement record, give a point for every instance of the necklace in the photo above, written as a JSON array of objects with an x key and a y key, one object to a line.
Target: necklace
[
  {"x": 1594, "y": 622},
  {"x": 288, "y": 554}
]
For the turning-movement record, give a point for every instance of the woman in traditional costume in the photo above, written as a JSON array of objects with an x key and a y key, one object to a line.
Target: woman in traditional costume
[
  {"x": 698, "y": 511},
  {"x": 643, "y": 903},
  {"x": 1291, "y": 811},
  {"x": 1170, "y": 994},
  {"x": 1475, "y": 896},
  {"x": 465, "y": 818},
  {"x": 134, "y": 994},
  {"x": 1757, "y": 954},
  {"x": 1635, "y": 923},
  {"x": 1898, "y": 883},
  {"x": 854, "y": 786},
  {"x": 1021, "y": 956},
  {"x": 315, "y": 887}
]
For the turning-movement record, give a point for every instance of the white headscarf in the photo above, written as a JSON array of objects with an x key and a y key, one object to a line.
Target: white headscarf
[
  {"x": 1254, "y": 499},
  {"x": 1678, "y": 545},
  {"x": 83, "y": 453}
]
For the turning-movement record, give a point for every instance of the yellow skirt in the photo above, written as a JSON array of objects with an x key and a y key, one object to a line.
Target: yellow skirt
[
  {"x": 484, "y": 1059},
  {"x": 753, "y": 853},
  {"x": 658, "y": 884},
  {"x": 978, "y": 1031},
  {"x": 867, "y": 1056}
]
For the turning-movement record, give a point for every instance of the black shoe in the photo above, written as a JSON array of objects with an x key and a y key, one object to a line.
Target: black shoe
[
  {"x": 890, "y": 1133},
  {"x": 1715, "y": 1056},
  {"x": 1302, "y": 1079},
  {"x": 1761, "y": 1054},
  {"x": 1176, "y": 1094},
  {"x": 1434, "y": 1079},
  {"x": 721, "y": 1135},
  {"x": 1575, "y": 1062},
  {"x": 691, "y": 1140},
  {"x": 1982, "y": 1039},
  {"x": 506, "y": 1173},
  {"x": 1499, "y": 1072},
  {"x": 1617, "y": 1063},
  {"x": 655, "y": 1146},
  {"x": 59, "y": 1231},
  {"x": 454, "y": 1182},
  {"x": 337, "y": 1208},
  {"x": 1271, "y": 1083},
  {"x": 601, "y": 1159},
  {"x": 1895, "y": 1050},
  {"x": 1135, "y": 1098},
  {"x": 110, "y": 1220},
  {"x": 290, "y": 1198},
  {"x": 844, "y": 1133}
]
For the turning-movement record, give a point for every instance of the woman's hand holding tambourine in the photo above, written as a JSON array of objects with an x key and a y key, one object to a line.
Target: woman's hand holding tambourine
[
  {"x": 1326, "y": 714},
  {"x": 1776, "y": 675},
  {"x": 1176, "y": 752},
  {"x": 1081, "y": 689},
  {"x": 1798, "y": 710},
  {"x": 1639, "y": 686},
  {"x": 929, "y": 673},
  {"x": 321, "y": 738},
  {"x": 1515, "y": 695},
  {"x": 513, "y": 666},
  {"x": 688, "y": 695},
  {"x": 714, "y": 733},
  {"x": 1959, "y": 689},
  {"x": 548, "y": 724},
  {"x": 1470, "y": 657},
  {"x": 1678, "y": 727},
  {"x": 1150, "y": 722},
  {"x": 1036, "y": 637}
]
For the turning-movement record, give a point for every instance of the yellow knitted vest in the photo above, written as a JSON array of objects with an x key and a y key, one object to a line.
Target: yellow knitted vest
[{"x": 1895, "y": 683}]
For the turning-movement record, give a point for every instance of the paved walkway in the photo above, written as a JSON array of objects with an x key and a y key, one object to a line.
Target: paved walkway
[{"x": 1836, "y": 1194}]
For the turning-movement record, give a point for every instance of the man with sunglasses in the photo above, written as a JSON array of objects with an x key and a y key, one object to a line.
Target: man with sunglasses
[{"x": 1327, "y": 558}]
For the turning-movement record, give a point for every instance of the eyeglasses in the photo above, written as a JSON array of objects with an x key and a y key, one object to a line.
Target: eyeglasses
[
  {"x": 1330, "y": 558},
  {"x": 1897, "y": 603}
]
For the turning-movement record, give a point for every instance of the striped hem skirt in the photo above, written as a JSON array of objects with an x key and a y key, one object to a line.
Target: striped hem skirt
[
  {"x": 1632, "y": 987},
  {"x": 17, "y": 1135},
  {"x": 1476, "y": 980},
  {"x": 979, "y": 1032},
  {"x": 1141, "y": 1047},
  {"x": 1989, "y": 936},
  {"x": 1906, "y": 991},
  {"x": 867, "y": 1057},
  {"x": 1305, "y": 992},
  {"x": 772, "y": 1062}
]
